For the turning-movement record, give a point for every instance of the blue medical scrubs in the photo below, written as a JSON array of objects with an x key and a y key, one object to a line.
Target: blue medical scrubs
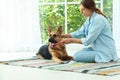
[{"x": 96, "y": 34}]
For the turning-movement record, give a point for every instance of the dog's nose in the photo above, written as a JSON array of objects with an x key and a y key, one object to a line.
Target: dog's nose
[{"x": 52, "y": 40}]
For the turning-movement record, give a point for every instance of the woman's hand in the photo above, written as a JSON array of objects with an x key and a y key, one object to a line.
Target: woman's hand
[
  {"x": 71, "y": 40},
  {"x": 67, "y": 40}
]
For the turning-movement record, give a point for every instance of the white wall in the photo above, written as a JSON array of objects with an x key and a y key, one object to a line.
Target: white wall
[
  {"x": 116, "y": 24},
  {"x": 19, "y": 25}
]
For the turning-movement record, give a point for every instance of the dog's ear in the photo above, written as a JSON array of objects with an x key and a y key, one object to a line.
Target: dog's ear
[
  {"x": 49, "y": 30},
  {"x": 59, "y": 30}
]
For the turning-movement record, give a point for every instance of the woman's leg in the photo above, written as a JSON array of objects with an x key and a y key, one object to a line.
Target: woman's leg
[{"x": 85, "y": 55}]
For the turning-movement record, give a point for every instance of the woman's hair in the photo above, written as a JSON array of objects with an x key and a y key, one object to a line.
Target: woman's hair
[{"x": 90, "y": 4}]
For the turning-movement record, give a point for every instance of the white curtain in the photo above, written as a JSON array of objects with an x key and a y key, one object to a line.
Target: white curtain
[
  {"x": 116, "y": 23},
  {"x": 19, "y": 25}
]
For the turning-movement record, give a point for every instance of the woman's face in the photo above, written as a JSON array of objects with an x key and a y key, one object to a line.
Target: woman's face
[{"x": 86, "y": 12}]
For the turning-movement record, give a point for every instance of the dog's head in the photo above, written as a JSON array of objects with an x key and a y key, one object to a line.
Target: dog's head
[{"x": 54, "y": 36}]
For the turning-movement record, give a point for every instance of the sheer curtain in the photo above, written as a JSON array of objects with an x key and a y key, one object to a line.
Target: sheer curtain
[
  {"x": 19, "y": 26},
  {"x": 116, "y": 23}
]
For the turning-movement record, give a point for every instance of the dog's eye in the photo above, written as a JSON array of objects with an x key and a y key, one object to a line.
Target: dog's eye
[
  {"x": 50, "y": 35},
  {"x": 54, "y": 35}
]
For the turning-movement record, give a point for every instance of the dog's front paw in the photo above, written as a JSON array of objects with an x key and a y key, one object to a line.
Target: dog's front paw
[{"x": 64, "y": 62}]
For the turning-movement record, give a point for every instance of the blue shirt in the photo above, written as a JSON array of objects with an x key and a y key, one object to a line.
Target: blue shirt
[{"x": 96, "y": 33}]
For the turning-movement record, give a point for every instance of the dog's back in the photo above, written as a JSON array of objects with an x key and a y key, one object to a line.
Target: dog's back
[{"x": 44, "y": 52}]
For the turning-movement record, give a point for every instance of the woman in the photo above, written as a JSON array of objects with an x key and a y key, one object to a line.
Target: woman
[{"x": 94, "y": 33}]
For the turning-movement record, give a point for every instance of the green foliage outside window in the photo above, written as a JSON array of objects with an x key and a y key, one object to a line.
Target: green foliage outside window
[
  {"x": 108, "y": 9},
  {"x": 74, "y": 18}
]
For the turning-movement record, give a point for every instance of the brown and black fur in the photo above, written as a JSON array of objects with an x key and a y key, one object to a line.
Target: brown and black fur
[{"x": 54, "y": 50}]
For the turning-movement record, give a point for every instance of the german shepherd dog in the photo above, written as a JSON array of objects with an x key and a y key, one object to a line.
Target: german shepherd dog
[{"x": 55, "y": 50}]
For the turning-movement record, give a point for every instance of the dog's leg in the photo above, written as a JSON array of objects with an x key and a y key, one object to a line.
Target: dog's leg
[
  {"x": 69, "y": 58},
  {"x": 57, "y": 60},
  {"x": 40, "y": 56}
]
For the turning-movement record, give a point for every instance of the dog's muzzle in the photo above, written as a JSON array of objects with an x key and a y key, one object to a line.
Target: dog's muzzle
[{"x": 52, "y": 41}]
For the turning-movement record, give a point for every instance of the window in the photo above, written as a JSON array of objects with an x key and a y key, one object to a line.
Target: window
[{"x": 66, "y": 13}]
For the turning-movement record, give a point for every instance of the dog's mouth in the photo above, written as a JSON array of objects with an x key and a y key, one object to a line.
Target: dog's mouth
[
  {"x": 52, "y": 45},
  {"x": 52, "y": 42}
]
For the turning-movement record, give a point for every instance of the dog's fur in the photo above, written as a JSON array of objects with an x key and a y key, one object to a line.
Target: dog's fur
[{"x": 54, "y": 50}]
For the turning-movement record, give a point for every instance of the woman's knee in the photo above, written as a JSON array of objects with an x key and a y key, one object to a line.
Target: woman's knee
[
  {"x": 77, "y": 57},
  {"x": 84, "y": 57}
]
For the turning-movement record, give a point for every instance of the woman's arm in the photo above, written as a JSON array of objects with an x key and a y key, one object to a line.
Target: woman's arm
[
  {"x": 66, "y": 36},
  {"x": 71, "y": 40}
]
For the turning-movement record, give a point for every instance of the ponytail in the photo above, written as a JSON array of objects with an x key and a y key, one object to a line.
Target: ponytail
[{"x": 97, "y": 10}]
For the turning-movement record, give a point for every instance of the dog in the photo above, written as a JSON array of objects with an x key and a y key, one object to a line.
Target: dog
[{"x": 55, "y": 50}]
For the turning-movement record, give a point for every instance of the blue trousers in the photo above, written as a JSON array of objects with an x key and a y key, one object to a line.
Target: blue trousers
[{"x": 85, "y": 55}]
